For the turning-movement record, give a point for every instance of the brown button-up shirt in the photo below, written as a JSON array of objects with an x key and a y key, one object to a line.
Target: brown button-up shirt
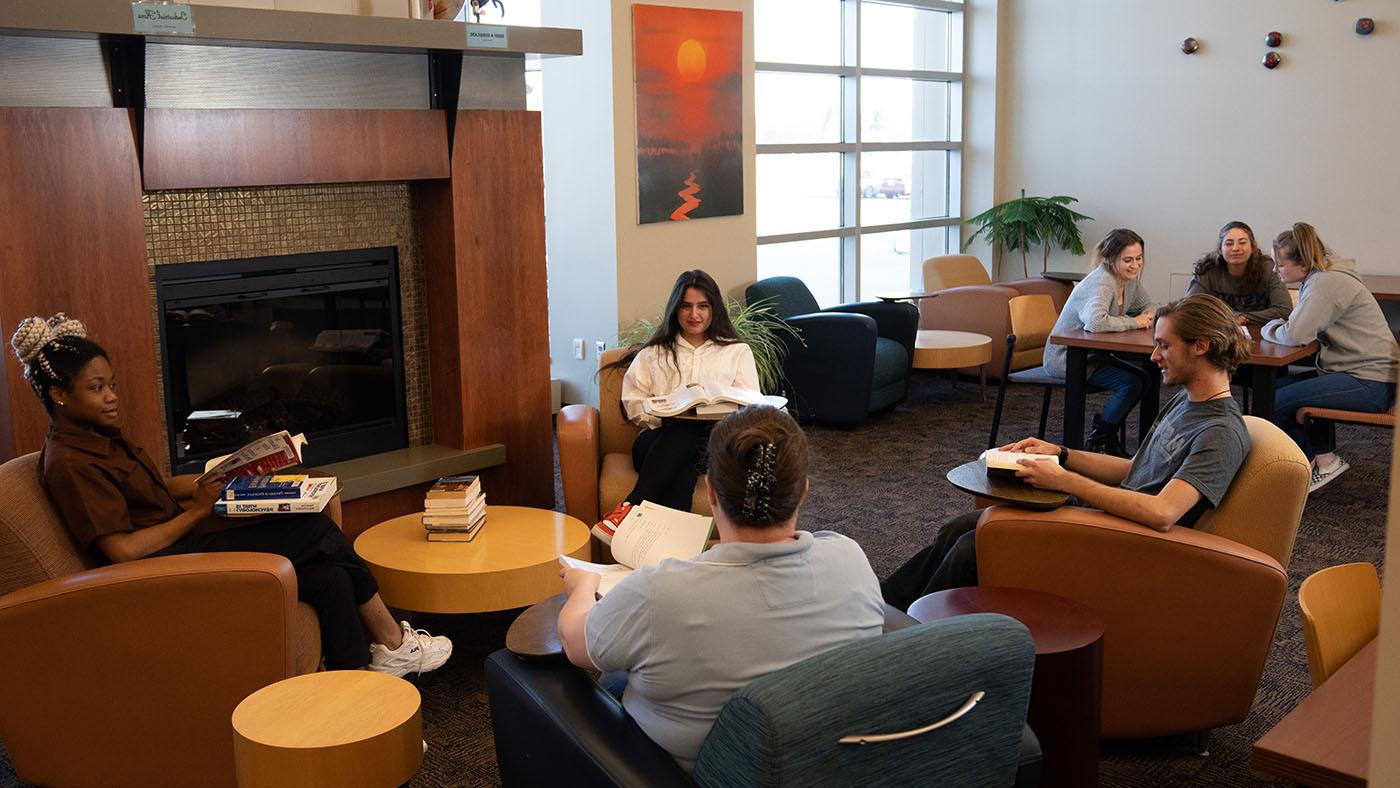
[{"x": 102, "y": 484}]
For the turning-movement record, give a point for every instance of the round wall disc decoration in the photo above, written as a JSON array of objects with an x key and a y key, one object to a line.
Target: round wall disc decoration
[
  {"x": 1365, "y": 25},
  {"x": 1272, "y": 60},
  {"x": 1273, "y": 38},
  {"x": 1190, "y": 45}
]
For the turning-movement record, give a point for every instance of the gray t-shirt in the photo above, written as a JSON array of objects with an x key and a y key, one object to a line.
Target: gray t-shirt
[
  {"x": 1201, "y": 443},
  {"x": 690, "y": 633}
]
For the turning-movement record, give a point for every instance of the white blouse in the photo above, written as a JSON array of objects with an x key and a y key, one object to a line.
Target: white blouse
[{"x": 653, "y": 373}]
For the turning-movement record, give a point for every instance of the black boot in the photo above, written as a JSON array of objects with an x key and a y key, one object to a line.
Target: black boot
[{"x": 1103, "y": 438}]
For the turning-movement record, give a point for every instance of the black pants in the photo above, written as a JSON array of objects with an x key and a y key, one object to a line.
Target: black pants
[
  {"x": 950, "y": 562},
  {"x": 668, "y": 460},
  {"x": 330, "y": 577}
]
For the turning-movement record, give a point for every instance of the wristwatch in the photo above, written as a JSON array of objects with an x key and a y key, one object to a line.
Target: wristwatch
[{"x": 1064, "y": 456}]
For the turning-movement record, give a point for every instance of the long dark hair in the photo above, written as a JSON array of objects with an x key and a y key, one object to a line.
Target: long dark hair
[
  {"x": 757, "y": 465},
  {"x": 1256, "y": 270},
  {"x": 53, "y": 352},
  {"x": 721, "y": 328}
]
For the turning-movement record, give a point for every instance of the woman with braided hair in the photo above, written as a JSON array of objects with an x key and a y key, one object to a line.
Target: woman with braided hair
[
  {"x": 690, "y": 633},
  {"x": 118, "y": 506}
]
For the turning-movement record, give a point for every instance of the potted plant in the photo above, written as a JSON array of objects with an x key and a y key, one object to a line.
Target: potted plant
[
  {"x": 755, "y": 324},
  {"x": 1016, "y": 225}
]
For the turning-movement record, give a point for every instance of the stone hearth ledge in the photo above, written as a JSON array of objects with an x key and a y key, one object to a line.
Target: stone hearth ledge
[{"x": 395, "y": 470}]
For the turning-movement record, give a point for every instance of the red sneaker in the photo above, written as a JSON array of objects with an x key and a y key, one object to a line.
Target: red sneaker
[{"x": 607, "y": 526}]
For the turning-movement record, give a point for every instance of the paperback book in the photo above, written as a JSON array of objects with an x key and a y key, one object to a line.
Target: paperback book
[
  {"x": 649, "y": 534},
  {"x": 713, "y": 397},
  {"x": 245, "y": 488},
  {"x": 1006, "y": 463},
  {"x": 263, "y": 456},
  {"x": 314, "y": 498}
]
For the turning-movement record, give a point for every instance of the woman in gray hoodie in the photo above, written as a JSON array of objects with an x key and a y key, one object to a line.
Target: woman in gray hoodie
[
  {"x": 1357, "y": 363},
  {"x": 1110, "y": 298}
]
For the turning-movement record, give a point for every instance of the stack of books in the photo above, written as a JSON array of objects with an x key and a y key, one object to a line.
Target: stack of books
[
  {"x": 244, "y": 496},
  {"x": 454, "y": 509}
]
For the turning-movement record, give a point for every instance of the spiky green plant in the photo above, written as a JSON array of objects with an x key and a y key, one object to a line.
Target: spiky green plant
[
  {"x": 1017, "y": 225},
  {"x": 755, "y": 323}
]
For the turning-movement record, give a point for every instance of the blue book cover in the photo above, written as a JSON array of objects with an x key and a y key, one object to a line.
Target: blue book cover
[{"x": 245, "y": 488}]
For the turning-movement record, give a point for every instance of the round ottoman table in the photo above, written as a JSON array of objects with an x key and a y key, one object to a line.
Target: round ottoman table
[
  {"x": 335, "y": 728},
  {"x": 953, "y": 350},
  {"x": 513, "y": 562},
  {"x": 1065, "y": 691}
]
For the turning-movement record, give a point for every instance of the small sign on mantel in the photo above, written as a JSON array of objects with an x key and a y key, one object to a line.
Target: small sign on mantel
[
  {"x": 162, "y": 19},
  {"x": 487, "y": 36}
]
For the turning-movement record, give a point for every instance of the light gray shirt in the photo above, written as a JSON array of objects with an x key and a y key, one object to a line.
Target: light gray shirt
[
  {"x": 1337, "y": 310},
  {"x": 1093, "y": 305},
  {"x": 1202, "y": 443},
  {"x": 690, "y": 633}
]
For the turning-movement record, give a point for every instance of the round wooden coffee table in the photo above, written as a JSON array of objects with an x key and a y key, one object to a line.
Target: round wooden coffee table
[
  {"x": 333, "y": 728},
  {"x": 513, "y": 562},
  {"x": 953, "y": 350},
  {"x": 1066, "y": 689}
]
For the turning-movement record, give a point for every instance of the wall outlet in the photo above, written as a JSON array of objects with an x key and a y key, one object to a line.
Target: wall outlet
[
  {"x": 599, "y": 347},
  {"x": 578, "y": 348}
]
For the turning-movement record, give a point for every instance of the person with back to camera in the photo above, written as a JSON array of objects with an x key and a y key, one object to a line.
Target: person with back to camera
[
  {"x": 1357, "y": 363},
  {"x": 116, "y": 504},
  {"x": 1239, "y": 273},
  {"x": 1110, "y": 298},
  {"x": 695, "y": 343},
  {"x": 689, "y": 633},
  {"x": 1184, "y": 466}
]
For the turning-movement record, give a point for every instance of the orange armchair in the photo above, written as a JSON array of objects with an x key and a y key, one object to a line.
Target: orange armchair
[
  {"x": 129, "y": 674},
  {"x": 968, "y": 300},
  {"x": 595, "y": 451},
  {"x": 1191, "y": 613}
]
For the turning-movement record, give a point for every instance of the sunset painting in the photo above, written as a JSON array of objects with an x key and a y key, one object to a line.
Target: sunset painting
[{"x": 689, "y": 112}]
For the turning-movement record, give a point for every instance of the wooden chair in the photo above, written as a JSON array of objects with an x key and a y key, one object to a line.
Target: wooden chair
[
  {"x": 1341, "y": 608},
  {"x": 1384, "y": 419}
]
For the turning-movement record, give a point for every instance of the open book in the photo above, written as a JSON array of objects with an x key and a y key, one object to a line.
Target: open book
[
  {"x": 711, "y": 395},
  {"x": 261, "y": 457},
  {"x": 649, "y": 534},
  {"x": 1006, "y": 463}
]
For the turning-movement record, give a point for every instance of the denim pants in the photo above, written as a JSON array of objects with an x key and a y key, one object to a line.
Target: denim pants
[
  {"x": 1126, "y": 387},
  {"x": 1325, "y": 390}
]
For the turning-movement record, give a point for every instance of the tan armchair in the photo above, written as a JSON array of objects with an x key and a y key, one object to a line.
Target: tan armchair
[
  {"x": 1191, "y": 613},
  {"x": 968, "y": 300},
  {"x": 129, "y": 674},
  {"x": 595, "y": 451}
]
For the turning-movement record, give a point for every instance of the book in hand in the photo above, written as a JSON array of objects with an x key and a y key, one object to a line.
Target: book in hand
[
  {"x": 263, "y": 456},
  {"x": 712, "y": 396},
  {"x": 649, "y": 534},
  {"x": 247, "y": 488},
  {"x": 1006, "y": 463},
  {"x": 314, "y": 498}
]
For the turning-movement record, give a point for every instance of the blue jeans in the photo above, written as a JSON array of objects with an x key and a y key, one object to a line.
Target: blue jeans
[
  {"x": 1126, "y": 387},
  {"x": 1325, "y": 390}
]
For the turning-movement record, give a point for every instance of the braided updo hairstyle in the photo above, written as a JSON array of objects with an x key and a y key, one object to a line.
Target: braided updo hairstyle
[
  {"x": 758, "y": 466},
  {"x": 53, "y": 352}
]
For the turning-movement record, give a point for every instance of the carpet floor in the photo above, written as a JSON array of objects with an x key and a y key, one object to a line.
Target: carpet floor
[{"x": 883, "y": 485}]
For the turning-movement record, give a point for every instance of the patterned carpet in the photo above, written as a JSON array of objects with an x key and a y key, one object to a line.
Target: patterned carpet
[{"x": 883, "y": 485}]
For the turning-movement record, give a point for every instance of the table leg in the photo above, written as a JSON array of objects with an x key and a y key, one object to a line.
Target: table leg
[
  {"x": 1064, "y": 712},
  {"x": 1264, "y": 380},
  {"x": 1151, "y": 398},
  {"x": 1076, "y": 377},
  {"x": 982, "y": 370}
]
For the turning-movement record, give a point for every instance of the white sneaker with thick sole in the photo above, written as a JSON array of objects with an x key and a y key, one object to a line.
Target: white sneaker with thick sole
[
  {"x": 419, "y": 652},
  {"x": 1322, "y": 476}
]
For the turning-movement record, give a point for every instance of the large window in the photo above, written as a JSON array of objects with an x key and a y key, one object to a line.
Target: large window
[{"x": 859, "y": 141}]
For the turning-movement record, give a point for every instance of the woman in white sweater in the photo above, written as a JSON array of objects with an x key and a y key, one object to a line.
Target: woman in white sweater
[
  {"x": 696, "y": 343},
  {"x": 1110, "y": 298},
  {"x": 1357, "y": 363}
]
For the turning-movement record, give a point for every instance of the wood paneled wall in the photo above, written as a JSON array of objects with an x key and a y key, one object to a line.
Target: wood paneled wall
[
  {"x": 198, "y": 148},
  {"x": 72, "y": 238},
  {"x": 488, "y": 312}
]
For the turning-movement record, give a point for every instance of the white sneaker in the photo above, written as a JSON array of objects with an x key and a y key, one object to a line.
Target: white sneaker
[
  {"x": 419, "y": 652},
  {"x": 1321, "y": 476}
]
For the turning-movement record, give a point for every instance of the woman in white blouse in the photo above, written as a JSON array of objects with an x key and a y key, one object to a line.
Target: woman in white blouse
[{"x": 697, "y": 343}]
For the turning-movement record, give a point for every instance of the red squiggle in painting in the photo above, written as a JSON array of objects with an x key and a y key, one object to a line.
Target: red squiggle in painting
[{"x": 691, "y": 201}]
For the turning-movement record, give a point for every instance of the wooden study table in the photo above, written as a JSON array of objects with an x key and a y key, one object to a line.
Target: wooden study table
[
  {"x": 1326, "y": 740},
  {"x": 1265, "y": 361},
  {"x": 1384, "y": 288}
]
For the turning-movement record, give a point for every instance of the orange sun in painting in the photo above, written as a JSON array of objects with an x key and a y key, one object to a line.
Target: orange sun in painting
[{"x": 690, "y": 60}]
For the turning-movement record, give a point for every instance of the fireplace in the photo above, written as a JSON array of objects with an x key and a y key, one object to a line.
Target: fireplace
[{"x": 305, "y": 342}]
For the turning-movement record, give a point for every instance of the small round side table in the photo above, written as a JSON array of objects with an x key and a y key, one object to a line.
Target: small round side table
[
  {"x": 1066, "y": 690},
  {"x": 953, "y": 350},
  {"x": 338, "y": 729}
]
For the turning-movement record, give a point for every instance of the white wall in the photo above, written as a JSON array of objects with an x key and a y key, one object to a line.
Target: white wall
[{"x": 1098, "y": 102}]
